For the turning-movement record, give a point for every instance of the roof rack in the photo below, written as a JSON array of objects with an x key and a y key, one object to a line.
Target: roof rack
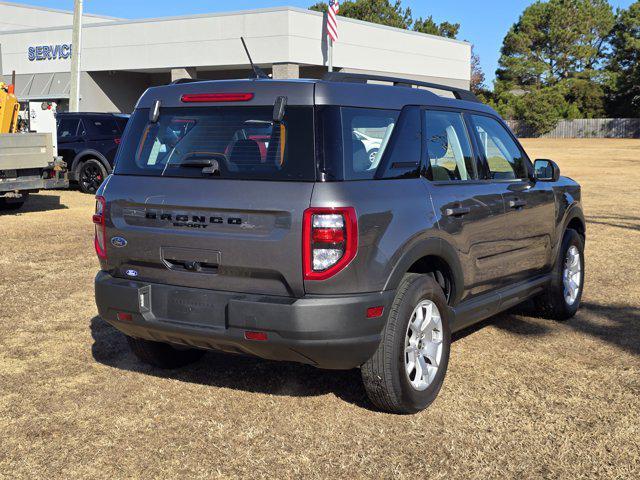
[
  {"x": 458, "y": 93},
  {"x": 184, "y": 80}
]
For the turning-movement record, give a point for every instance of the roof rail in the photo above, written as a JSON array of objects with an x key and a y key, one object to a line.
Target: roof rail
[
  {"x": 184, "y": 80},
  {"x": 458, "y": 93}
]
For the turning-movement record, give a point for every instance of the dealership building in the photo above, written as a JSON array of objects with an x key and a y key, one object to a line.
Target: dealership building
[{"x": 121, "y": 58}]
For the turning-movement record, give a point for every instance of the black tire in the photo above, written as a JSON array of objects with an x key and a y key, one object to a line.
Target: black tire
[
  {"x": 552, "y": 303},
  {"x": 387, "y": 383},
  {"x": 91, "y": 175},
  {"x": 163, "y": 355}
]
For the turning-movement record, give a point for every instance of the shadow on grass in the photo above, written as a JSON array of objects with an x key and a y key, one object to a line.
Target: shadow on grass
[
  {"x": 234, "y": 371},
  {"x": 621, "y": 328},
  {"x": 618, "y": 325},
  {"x": 37, "y": 203},
  {"x": 618, "y": 221}
]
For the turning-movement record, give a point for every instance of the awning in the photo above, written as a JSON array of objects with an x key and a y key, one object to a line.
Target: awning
[{"x": 41, "y": 86}]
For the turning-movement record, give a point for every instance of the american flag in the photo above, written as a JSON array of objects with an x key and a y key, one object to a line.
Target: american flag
[{"x": 332, "y": 23}]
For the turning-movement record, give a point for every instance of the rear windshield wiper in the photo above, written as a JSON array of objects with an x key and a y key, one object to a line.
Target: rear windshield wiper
[
  {"x": 209, "y": 166},
  {"x": 196, "y": 162}
]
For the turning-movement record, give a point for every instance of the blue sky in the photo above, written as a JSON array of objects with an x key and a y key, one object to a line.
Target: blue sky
[{"x": 484, "y": 23}]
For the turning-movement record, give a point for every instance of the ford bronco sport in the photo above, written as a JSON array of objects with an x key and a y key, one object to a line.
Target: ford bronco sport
[{"x": 249, "y": 216}]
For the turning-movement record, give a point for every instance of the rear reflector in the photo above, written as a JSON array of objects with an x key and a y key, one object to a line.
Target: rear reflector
[
  {"x": 124, "y": 317},
  {"x": 216, "y": 97},
  {"x": 256, "y": 336},
  {"x": 375, "y": 312}
]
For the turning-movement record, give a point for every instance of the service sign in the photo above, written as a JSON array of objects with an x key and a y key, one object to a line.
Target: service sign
[{"x": 49, "y": 52}]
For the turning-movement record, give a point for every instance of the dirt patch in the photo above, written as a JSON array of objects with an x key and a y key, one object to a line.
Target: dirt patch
[{"x": 523, "y": 397}]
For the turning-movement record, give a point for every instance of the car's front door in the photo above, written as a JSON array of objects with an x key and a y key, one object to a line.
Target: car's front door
[
  {"x": 529, "y": 205},
  {"x": 470, "y": 210}
]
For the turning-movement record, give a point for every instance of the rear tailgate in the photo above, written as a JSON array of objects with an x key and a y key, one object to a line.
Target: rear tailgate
[{"x": 230, "y": 235}]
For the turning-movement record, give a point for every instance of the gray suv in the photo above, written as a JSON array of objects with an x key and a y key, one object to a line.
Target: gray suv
[{"x": 354, "y": 221}]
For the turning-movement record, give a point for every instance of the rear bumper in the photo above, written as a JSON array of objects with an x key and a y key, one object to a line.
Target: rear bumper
[
  {"x": 328, "y": 332},
  {"x": 57, "y": 173}
]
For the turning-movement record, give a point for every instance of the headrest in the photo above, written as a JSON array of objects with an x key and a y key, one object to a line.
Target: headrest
[
  {"x": 361, "y": 161},
  {"x": 245, "y": 152}
]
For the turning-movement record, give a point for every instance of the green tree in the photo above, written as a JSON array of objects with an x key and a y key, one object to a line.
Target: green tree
[
  {"x": 391, "y": 14},
  {"x": 541, "y": 109},
  {"x": 555, "y": 52},
  {"x": 430, "y": 26},
  {"x": 624, "y": 63},
  {"x": 554, "y": 40}
]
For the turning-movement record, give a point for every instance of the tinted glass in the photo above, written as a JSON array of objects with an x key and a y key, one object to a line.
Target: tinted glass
[
  {"x": 122, "y": 123},
  {"x": 68, "y": 127},
  {"x": 505, "y": 159},
  {"x": 403, "y": 153},
  {"x": 220, "y": 142},
  {"x": 365, "y": 135},
  {"x": 448, "y": 147},
  {"x": 102, "y": 126}
]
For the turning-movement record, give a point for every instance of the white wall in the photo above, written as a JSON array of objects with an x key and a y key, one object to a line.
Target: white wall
[{"x": 212, "y": 41}]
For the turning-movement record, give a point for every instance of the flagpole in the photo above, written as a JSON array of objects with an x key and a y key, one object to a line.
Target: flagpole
[{"x": 330, "y": 54}]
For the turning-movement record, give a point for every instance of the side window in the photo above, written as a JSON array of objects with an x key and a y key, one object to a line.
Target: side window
[
  {"x": 104, "y": 127},
  {"x": 505, "y": 159},
  {"x": 448, "y": 148},
  {"x": 366, "y": 133},
  {"x": 68, "y": 127}
]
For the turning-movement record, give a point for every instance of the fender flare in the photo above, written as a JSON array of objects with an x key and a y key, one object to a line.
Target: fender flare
[
  {"x": 574, "y": 211},
  {"x": 89, "y": 154},
  {"x": 436, "y": 247}
]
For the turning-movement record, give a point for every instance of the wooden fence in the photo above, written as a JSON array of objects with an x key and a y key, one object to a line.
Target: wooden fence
[{"x": 585, "y": 128}]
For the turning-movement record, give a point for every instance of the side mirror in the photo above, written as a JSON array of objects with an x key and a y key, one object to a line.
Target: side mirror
[{"x": 546, "y": 170}]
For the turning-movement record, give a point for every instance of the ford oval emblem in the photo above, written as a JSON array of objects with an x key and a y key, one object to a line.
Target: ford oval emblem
[
  {"x": 132, "y": 273},
  {"x": 118, "y": 242}
]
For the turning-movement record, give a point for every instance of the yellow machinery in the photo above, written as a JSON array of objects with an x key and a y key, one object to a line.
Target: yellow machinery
[{"x": 9, "y": 108}]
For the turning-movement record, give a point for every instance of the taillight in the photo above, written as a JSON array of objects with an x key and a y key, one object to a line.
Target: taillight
[
  {"x": 117, "y": 141},
  {"x": 100, "y": 241},
  {"x": 329, "y": 241}
]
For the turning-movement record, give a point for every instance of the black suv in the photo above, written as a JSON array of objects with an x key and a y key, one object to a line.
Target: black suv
[
  {"x": 252, "y": 217},
  {"x": 88, "y": 142}
]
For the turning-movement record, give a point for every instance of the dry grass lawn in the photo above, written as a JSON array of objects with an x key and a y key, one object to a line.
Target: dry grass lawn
[{"x": 523, "y": 398}]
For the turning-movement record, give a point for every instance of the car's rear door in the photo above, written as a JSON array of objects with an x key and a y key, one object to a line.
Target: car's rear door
[
  {"x": 470, "y": 210},
  {"x": 70, "y": 140},
  {"x": 529, "y": 205},
  {"x": 103, "y": 135},
  {"x": 194, "y": 201}
]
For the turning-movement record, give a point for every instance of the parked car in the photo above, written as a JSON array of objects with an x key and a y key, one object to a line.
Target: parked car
[
  {"x": 309, "y": 251},
  {"x": 88, "y": 142}
]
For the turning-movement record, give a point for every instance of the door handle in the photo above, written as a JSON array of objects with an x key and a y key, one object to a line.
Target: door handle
[
  {"x": 457, "y": 211},
  {"x": 517, "y": 203}
]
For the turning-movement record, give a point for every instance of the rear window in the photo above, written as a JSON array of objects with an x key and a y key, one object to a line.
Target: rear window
[{"x": 220, "y": 142}]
